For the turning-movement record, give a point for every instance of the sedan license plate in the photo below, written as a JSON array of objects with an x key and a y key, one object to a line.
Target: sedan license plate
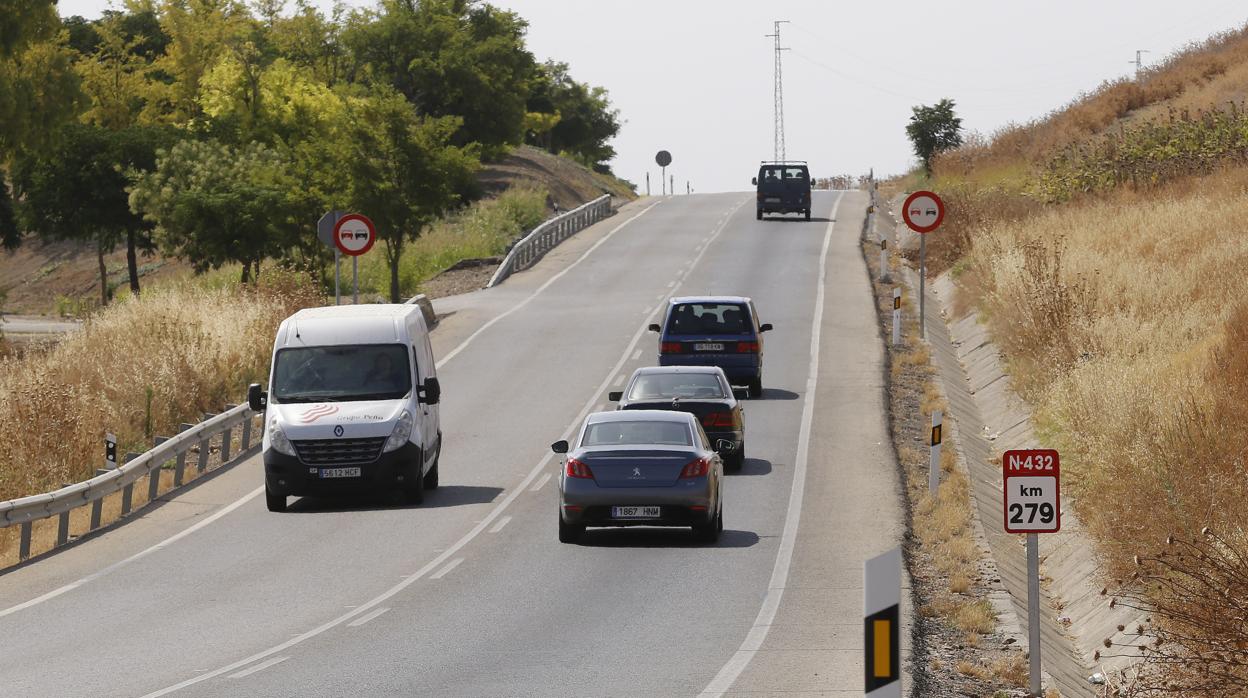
[
  {"x": 708, "y": 346},
  {"x": 340, "y": 472},
  {"x": 634, "y": 512}
]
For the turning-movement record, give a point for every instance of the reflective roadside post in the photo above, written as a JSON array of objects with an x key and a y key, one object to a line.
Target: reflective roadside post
[
  {"x": 896, "y": 316},
  {"x": 881, "y": 606}
]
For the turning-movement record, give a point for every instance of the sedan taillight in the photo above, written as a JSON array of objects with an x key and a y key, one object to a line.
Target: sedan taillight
[
  {"x": 669, "y": 348},
  {"x": 578, "y": 469},
  {"x": 717, "y": 419},
  {"x": 698, "y": 467}
]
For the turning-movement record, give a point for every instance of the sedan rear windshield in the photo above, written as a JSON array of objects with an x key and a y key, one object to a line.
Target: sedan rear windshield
[
  {"x": 710, "y": 318},
  {"x": 654, "y": 386},
  {"x": 342, "y": 373},
  {"x": 639, "y": 433}
]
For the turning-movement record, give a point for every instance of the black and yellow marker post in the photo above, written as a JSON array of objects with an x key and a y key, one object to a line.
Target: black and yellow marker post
[{"x": 882, "y": 625}]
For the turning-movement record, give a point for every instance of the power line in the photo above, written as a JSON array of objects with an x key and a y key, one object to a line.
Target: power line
[{"x": 779, "y": 93}]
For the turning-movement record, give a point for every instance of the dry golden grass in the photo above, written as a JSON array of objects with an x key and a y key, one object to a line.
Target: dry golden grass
[
  {"x": 1012, "y": 669},
  {"x": 191, "y": 349},
  {"x": 971, "y": 669}
]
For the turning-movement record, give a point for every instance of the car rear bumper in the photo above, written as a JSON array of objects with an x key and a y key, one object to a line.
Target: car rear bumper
[
  {"x": 287, "y": 475},
  {"x": 684, "y": 504}
]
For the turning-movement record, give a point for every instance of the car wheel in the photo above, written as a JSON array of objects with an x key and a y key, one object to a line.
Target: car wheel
[
  {"x": 758, "y": 214},
  {"x": 807, "y": 212},
  {"x": 709, "y": 531},
  {"x": 569, "y": 533},
  {"x": 415, "y": 489},
  {"x": 275, "y": 502},
  {"x": 431, "y": 477},
  {"x": 756, "y": 388},
  {"x": 737, "y": 461}
]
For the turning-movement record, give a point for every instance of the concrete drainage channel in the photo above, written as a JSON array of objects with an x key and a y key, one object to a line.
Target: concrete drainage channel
[{"x": 991, "y": 419}]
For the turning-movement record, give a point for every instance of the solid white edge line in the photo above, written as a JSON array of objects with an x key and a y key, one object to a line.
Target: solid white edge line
[
  {"x": 463, "y": 345},
  {"x": 143, "y": 553},
  {"x": 501, "y": 522},
  {"x": 362, "y": 620},
  {"x": 445, "y": 555},
  {"x": 540, "y": 483},
  {"x": 740, "y": 659},
  {"x": 259, "y": 667},
  {"x": 234, "y": 505},
  {"x": 447, "y": 570}
]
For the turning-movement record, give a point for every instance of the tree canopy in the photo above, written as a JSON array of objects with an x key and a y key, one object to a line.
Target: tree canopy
[{"x": 934, "y": 129}]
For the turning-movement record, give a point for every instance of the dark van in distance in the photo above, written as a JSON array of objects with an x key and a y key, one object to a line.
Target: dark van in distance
[{"x": 783, "y": 187}]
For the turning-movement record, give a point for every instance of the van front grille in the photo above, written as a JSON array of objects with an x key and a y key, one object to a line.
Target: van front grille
[{"x": 339, "y": 451}]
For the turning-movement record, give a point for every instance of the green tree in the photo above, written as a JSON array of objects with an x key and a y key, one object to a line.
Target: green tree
[
  {"x": 199, "y": 32},
  {"x": 586, "y": 120},
  {"x": 403, "y": 171},
  {"x": 934, "y": 129},
  {"x": 449, "y": 58},
  {"x": 215, "y": 203},
  {"x": 76, "y": 190}
]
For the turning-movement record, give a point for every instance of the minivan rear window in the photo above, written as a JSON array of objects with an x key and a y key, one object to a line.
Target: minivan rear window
[
  {"x": 710, "y": 319},
  {"x": 783, "y": 173}
]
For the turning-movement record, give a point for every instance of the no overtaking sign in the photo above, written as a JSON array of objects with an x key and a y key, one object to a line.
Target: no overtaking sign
[{"x": 354, "y": 234}]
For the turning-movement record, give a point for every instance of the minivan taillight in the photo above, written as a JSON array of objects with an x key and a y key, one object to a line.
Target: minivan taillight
[
  {"x": 747, "y": 347},
  {"x": 579, "y": 470},
  {"x": 717, "y": 420},
  {"x": 698, "y": 467},
  {"x": 669, "y": 348}
]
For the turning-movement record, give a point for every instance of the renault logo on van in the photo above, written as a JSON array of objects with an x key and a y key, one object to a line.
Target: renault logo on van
[{"x": 338, "y": 430}]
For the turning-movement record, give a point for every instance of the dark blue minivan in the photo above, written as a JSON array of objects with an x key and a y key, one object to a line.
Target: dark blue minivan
[{"x": 718, "y": 331}]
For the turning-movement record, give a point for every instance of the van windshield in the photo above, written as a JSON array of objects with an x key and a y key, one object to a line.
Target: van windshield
[{"x": 342, "y": 373}]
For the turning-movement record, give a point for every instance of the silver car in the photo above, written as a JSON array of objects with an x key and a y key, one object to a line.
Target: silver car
[{"x": 641, "y": 468}]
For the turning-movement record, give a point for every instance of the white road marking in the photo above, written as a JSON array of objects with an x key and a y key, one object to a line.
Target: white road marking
[
  {"x": 501, "y": 522},
  {"x": 259, "y": 667},
  {"x": 784, "y": 556},
  {"x": 144, "y": 553},
  {"x": 447, "y": 570},
  {"x": 636, "y": 355},
  {"x": 459, "y": 544},
  {"x": 364, "y": 619},
  {"x": 538, "y": 485},
  {"x": 463, "y": 345},
  {"x": 619, "y": 380},
  {"x": 671, "y": 283}
]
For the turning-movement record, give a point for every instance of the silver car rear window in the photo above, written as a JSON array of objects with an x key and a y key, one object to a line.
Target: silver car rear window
[
  {"x": 638, "y": 433},
  {"x": 654, "y": 386}
]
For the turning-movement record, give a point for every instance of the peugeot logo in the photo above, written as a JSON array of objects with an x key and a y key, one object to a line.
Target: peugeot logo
[
  {"x": 338, "y": 430},
  {"x": 636, "y": 472}
]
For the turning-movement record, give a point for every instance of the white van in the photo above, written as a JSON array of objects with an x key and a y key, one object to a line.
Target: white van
[{"x": 352, "y": 404}]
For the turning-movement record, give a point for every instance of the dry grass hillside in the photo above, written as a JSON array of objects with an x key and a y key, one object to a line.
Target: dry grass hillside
[{"x": 1103, "y": 246}]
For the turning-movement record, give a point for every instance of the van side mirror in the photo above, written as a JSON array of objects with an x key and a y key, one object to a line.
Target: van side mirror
[
  {"x": 654, "y": 327},
  {"x": 615, "y": 395},
  {"x": 765, "y": 327},
  {"x": 754, "y": 181},
  {"x": 257, "y": 399},
  {"x": 559, "y": 447},
  {"x": 431, "y": 391}
]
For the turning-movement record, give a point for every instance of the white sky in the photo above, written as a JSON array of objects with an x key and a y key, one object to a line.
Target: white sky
[{"x": 695, "y": 77}]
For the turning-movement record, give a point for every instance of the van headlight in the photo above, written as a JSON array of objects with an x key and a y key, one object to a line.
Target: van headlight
[
  {"x": 277, "y": 438},
  {"x": 402, "y": 432}
]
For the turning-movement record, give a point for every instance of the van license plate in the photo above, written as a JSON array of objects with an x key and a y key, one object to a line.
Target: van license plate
[
  {"x": 634, "y": 512},
  {"x": 711, "y": 346},
  {"x": 772, "y": 200},
  {"x": 340, "y": 472}
]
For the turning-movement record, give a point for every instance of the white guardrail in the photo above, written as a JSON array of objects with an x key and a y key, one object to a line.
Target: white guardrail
[
  {"x": 91, "y": 492},
  {"x": 544, "y": 237}
]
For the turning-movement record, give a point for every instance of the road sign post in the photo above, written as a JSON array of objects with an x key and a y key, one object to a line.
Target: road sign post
[
  {"x": 923, "y": 212},
  {"x": 881, "y": 606},
  {"x": 354, "y": 235},
  {"x": 663, "y": 159},
  {"x": 1033, "y": 505}
]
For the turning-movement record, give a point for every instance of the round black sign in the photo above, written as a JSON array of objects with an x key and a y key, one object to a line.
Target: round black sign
[{"x": 664, "y": 158}]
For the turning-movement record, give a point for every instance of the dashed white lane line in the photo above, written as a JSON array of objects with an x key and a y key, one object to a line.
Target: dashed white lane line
[
  {"x": 365, "y": 618},
  {"x": 465, "y": 540},
  {"x": 619, "y": 380},
  {"x": 259, "y": 667},
  {"x": 541, "y": 481},
  {"x": 600, "y": 407},
  {"x": 636, "y": 355},
  {"x": 671, "y": 283},
  {"x": 447, "y": 570},
  {"x": 501, "y": 522},
  {"x": 757, "y": 634}
]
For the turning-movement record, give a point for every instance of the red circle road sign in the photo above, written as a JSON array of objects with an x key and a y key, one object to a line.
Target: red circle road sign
[
  {"x": 923, "y": 211},
  {"x": 354, "y": 234}
]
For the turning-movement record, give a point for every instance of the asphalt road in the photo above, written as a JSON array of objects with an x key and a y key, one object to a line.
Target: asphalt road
[{"x": 471, "y": 594}]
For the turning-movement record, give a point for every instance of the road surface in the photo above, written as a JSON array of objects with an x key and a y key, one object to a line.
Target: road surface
[{"x": 471, "y": 594}]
